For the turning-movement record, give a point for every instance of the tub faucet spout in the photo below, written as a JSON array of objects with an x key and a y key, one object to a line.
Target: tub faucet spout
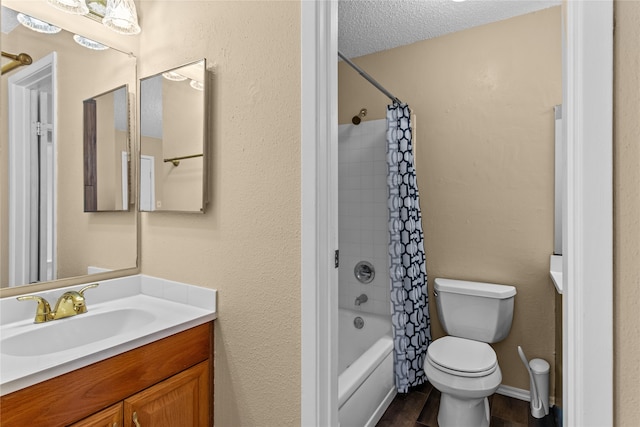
[{"x": 362, "y": 298}]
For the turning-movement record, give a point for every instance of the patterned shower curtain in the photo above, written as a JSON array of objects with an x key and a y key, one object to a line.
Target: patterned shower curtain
[{"x": 407, "y": 263}]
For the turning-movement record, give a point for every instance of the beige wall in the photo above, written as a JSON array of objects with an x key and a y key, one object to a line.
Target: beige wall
[
  {"x": 627, "y": 213},
  {"x": 484, "y": 102},
  {"x": 105, "y": 240},
  {"x": 102, "y": 239},
  {"x": 111, "y": 143},
  {"x": 152, "y": 147},
  {"x": 247, "y": 244},
  {"x": 182, "y": 135}
]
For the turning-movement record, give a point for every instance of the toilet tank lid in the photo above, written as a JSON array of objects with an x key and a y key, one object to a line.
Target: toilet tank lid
[{"x": 488, "y": 290}]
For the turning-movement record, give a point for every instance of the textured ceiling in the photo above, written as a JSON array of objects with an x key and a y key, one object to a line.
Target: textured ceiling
[{"x": 368, "y": 26}]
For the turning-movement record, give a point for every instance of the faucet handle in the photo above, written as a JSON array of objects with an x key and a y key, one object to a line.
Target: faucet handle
[
  {"x": 43, "y": 312},
  {"x": 72, "y": 303},
  {"x": 94, "y": 285}
]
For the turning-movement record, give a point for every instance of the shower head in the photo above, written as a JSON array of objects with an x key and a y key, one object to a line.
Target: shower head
[{"x": 357, "y": 119}]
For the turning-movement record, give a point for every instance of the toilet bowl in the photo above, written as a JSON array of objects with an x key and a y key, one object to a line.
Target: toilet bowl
[
  {"x": 466, "y": 372},
  {"x": 462, "y": 365}
]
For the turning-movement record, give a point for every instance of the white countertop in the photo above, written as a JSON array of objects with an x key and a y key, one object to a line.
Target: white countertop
[
  {"x": 176, "y": 308},
  {"x": 555, "y": 269}
]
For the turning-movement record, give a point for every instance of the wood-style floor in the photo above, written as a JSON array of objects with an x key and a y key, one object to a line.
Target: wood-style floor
[{"x": 419, "y": 408}]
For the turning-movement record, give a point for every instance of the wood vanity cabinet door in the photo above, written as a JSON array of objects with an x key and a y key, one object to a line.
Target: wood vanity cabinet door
[
  {"x": 180, "y": 401},
  {"x": 110, "y": 417}
]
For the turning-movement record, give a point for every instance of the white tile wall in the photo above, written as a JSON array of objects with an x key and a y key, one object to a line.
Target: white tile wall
[{"x": 363, "y": 235}]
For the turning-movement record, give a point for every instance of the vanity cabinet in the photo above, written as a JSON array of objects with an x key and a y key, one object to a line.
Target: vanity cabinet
[
  {"x": 179, "y": 401},
  {"x": 110, "y": 417},
  {"x": 166, "y": 383},
  {"x": 182, "y": 400}
]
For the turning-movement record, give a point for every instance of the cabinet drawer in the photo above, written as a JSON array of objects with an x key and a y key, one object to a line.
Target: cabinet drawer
[
  {"x": 110, "y": 417},
  {"x": 68, "y": 398}
]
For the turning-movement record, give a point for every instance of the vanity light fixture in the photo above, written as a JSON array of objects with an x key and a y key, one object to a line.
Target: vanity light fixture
[
  {"x": 98, "y": 7},
  {"x": 37, "y": 25},
  {"x": 173, "y": 76},
  {"x": 121, "y": 16},
  {"x": 118, "y": 15},
  {"x": 196, "y": 85},
  {"x": 77, "y": 7},
  {"x": 88, "y": 43}
]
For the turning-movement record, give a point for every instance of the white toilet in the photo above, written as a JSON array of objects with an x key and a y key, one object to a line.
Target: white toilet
[{"x": 463, "y": 366}]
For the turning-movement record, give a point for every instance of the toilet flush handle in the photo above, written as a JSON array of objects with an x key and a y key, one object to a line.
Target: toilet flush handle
[{"x": 435, "y": 293}]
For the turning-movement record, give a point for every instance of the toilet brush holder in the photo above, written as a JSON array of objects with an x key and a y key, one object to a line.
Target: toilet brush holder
[
  {"x": 540, "y": 370},
  {"x": 539, "y": 384}
]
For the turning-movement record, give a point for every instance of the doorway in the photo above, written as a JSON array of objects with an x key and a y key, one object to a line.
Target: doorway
[
  {"x": 588, "y": 231},
  {"x": 32, "y": 173}
]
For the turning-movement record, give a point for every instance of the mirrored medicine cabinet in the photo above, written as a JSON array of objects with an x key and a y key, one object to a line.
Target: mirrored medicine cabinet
[
  {"x": 106, "y": 151},
  {"x": 45, "y": 234},
  {"x": 173, "y": 149}
]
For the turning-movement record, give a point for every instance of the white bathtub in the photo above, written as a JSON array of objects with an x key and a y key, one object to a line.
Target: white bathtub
[{"x": 365, "y": 363}]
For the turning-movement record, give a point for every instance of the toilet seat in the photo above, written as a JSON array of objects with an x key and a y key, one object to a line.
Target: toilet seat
[{"x": 462, "y": 357}]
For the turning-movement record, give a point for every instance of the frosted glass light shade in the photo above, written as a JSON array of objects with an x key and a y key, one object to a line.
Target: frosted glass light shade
[
  {"x": 173, "y": 76},
  {"x": 78, "y": 7},
  {"x": 97, "y": 7},
  {"x": 196, "y": 85},
  {"x": 122, "y": 17},
  {"x": 37, "y": 25},
  {"x": 88, "y": 43}
]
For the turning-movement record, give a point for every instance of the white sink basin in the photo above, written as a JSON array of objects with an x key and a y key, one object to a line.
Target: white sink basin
[
  {"x": 123, "y": 314},
  {"x": 83, "y": 329}
]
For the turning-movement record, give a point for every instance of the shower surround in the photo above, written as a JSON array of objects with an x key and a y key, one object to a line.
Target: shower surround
[{"x": 363, "y": 214}]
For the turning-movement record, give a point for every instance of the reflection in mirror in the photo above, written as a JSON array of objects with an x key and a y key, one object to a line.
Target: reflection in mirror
[
  {"x": 172, "y": 140},
  {"x": 44, "y": 232},
  {"x": 106, "y": 151}
]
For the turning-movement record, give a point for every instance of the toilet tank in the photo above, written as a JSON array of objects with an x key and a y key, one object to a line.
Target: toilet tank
[{"x": 475, "y": 310}]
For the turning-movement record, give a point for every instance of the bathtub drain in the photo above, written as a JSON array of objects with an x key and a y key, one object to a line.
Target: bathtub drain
[{"x": 358, "y": 322}]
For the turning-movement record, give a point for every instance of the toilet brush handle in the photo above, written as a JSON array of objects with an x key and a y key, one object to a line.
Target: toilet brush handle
[{"x": 535, "y": 398}]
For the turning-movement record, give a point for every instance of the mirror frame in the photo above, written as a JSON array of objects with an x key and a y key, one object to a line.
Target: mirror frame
[
  {"x": 123, "y": 44},
  {"x": 206, "y": 132}
]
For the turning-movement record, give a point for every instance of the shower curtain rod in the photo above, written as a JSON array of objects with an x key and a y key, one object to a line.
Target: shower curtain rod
[
  {"x": 370, "y": 79},
  {"x": 17, "y": 61}
]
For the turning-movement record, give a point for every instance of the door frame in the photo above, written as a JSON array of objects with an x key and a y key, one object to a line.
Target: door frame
[
  {"x": 319, "y": 213},
  {"x": 588, "y": 279},
  {"x": 19, "y": 165},
  {"x": 587, "y": 301}
]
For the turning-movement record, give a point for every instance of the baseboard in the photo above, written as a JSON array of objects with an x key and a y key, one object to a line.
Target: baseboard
[
  {"x": 519, "y": 393},
  {"x": 516, "y": 393}
]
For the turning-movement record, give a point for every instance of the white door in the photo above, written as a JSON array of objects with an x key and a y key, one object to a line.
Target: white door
[
  {"x": 147, "y": 183},
  {"x": 32, "y": 174},
  {"x": 41, "y": 188},
  {"x": 125, "y": 180}
]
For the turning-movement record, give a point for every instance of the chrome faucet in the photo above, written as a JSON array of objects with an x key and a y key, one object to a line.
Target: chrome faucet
[
  {"x": 69, "y": 304},
  {"x": 362, "y": 298}
]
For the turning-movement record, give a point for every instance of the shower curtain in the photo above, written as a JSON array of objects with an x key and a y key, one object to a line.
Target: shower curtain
[{"x": 407, "y": 263}]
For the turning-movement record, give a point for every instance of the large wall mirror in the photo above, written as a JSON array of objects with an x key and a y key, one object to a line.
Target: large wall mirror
[
  {"x": 173, "y": 149},
  {"x": 45, "y": 232}
]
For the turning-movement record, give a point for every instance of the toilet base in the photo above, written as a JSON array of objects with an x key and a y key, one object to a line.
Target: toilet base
[{"x": 455, "y": 412}]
